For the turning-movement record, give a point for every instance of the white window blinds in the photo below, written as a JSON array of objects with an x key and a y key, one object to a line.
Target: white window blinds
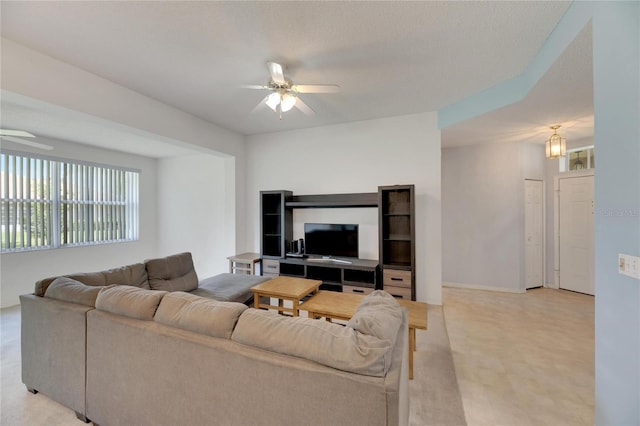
[{"x": 50, "y": 203}]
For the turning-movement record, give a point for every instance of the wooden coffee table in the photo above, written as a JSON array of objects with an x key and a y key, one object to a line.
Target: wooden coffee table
[
  {"x": 342, "y": 306},
  {"x": 284, "y": 288}
]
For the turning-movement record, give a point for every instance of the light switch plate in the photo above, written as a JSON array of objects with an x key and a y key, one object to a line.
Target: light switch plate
[{"x": 629, "y": 265}]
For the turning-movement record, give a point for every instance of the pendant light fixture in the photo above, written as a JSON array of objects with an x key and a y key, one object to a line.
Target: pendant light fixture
[
  {"x": 578, "y": 164},
  {"x": 281, "y": 101},
  {"x": 556, "y": 146}
]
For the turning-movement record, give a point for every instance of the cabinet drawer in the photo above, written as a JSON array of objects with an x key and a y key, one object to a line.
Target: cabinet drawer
[
  {"x": 398, "y": 292},
  {"x": 356, "y": 290},
  {"x": 269, "y": 275},
  {"x": 270, "y": 266},
  {"x": 396, "y": 278}
]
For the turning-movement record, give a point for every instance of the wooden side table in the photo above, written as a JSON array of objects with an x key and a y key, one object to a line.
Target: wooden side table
[
  {"x": 244, "y": 263},
  {"x": 342, "y": 306},
  {"x": 284, "y": 288}
]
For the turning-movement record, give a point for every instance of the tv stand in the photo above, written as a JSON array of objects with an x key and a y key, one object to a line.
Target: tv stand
[
  {"x": 396, "y": 271},
  {"x": 325, "y": 259},
  {"x": 353, "y": 276}
]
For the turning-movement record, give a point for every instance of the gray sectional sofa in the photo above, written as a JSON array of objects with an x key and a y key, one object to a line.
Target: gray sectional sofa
[{"x": 119, "y": 352}]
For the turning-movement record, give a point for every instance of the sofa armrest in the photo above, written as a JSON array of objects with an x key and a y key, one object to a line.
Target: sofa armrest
[{"x": 54, "y": 349}]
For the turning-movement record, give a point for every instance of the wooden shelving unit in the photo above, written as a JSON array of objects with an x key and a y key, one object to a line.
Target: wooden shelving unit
[
  {"x": 396, "y": 210},
  {"x": 396, "y": 206},
  {"x": 276, "y": 224},
  {"x": 365, "y": 199}
]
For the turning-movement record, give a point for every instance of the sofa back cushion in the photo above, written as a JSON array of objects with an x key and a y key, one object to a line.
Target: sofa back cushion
[
  {"x": 377, "y": 315},
  {"x": 70, "y": 290},
  {"x": 331, "y": 344},
  {"x": 134, "y": 275},
  {"x": 194, "y": 313},
  {"x": 132, "y": 302},
  {"x": 172, "y": 273}
]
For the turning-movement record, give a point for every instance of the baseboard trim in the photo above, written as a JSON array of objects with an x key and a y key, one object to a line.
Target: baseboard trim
[{"x": 483, "y": 287}]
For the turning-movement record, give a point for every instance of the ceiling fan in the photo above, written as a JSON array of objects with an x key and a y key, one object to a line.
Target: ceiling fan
[
  {"x": 284, "y": 94},
  {"x": 18, "y": 136}
]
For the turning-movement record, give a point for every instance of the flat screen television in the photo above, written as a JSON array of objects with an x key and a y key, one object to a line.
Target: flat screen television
[{"x": 331, "y": 239}]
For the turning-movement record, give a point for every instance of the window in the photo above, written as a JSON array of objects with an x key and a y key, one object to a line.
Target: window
[
  {"x": 48, "y": 203},
  {"x": 578, "y": 159}
]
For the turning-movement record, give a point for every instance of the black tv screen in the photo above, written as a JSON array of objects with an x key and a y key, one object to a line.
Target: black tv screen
[{"x": 331, "y": 239}]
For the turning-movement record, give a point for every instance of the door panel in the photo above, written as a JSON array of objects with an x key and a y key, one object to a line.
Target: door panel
[
  {"x": 577, "y": 234},
  {"x": 533, "y": 234}
]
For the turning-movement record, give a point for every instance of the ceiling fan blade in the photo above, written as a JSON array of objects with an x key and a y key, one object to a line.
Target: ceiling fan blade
[
  {"x": 303, "y": 107},
  {"x": 254, "y": 86},
  {"x": 316, "y": 88},
  {"x": 261, "y": 105},
  {"x": 276, "y": 72},
  {"x": 20, "y": 133},
  {"x": 27, "y": 142}
]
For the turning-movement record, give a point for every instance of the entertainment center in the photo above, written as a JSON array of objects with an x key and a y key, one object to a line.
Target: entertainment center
[{"x": 330, "y": 250}]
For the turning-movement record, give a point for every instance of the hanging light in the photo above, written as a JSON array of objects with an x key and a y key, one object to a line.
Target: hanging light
[
  {"x": 287, "y": 102},
  {"x": 556, "y": 146},
  {"x": 282, "y": 98},
  {"x": 273, "y": 100},
  {"x": 578, "y": 164}
]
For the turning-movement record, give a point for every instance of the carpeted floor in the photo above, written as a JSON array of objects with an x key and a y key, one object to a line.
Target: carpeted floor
[{"x": 435, "y": 398}]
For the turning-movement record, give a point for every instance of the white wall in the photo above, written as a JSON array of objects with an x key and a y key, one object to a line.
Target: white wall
[
  {"x": 21, "y": 270},
  {"x": 193, "y": 210},
  {"x": 483, "y": 213},
  {"x": 356, "y": 157},
  {"x": 210, "y": 231},
  {"x": 616, "y": 90},
  {"x": 42, "y": 78}
]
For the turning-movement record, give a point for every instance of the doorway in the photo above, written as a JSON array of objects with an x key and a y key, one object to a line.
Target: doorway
[
  {"x": 576, "y": 233},
  {"x": 534, "y": 231}
]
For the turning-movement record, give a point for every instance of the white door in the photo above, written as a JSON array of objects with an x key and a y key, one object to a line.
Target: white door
[
  {"x": 577, "y": 234},
  {"x": 533, "y": 228}
]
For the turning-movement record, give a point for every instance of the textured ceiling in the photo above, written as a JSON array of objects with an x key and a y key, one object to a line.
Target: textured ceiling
[
  {"x": 563, "y": 96},
  {"x": 389, "y": 58}
]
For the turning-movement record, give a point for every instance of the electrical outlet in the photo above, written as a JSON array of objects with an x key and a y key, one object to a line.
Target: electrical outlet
[{"x": 629, "y": 265}]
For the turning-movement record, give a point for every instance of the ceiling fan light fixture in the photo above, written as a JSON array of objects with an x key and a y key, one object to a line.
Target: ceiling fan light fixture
[
  {"x": 287, "y": 102},
  {"x": 555, "y": 146},
  {"x": 273, "y": 100}
]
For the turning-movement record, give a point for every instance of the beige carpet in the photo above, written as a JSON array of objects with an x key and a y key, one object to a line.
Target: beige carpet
[{"x": 435, "y": 399}]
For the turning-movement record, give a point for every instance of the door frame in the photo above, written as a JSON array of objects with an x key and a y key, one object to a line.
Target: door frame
[
  {"x": 543, "y": 233},
  {"x": 556, "y": 218}
]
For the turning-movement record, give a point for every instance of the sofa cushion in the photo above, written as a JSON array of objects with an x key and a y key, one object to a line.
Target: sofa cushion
[
  {"x": 378, "y": 315},
  {"x": 132, "y": 302},
  {"x": 326, "y": 343},
  {"x": 70, "y": 290},
  {"x": 229, "y": 287},
  {"x": 133, "y": 275},
  {"x": 194, "y": 313},
  {"x": 172, "y": 273}
]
